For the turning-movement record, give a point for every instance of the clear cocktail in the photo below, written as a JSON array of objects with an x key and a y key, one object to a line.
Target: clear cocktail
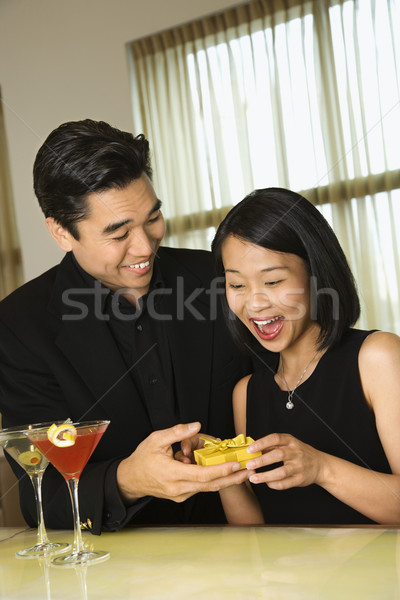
[
  {"x": 68, "y": 447},
  {"x": 17, "y": 445}
]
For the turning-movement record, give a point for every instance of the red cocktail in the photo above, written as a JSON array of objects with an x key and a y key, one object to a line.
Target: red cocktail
[
  {"x": 68, "y": 447},
  {"x": 71, "y": 460}
]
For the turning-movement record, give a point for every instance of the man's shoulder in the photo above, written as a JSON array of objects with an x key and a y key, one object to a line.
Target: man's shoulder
[
  {"x": 29, "y": 289},
  {"x": 180, "y": 261},
  {"x": 30, "y": 296},
  {"x": 188, "y": 255}
]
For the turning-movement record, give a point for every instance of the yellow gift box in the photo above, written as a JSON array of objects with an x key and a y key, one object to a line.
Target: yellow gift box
[{"x": 216, "y": 452}]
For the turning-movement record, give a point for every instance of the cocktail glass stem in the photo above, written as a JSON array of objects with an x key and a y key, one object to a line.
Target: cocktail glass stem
[
  {"x": 43, "y": 546},
  {"x": 79, "y": 546},
  {"x": 37, "y": 486}
]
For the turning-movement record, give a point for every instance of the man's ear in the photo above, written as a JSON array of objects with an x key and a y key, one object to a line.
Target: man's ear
[{"x": 61, "y": 235}]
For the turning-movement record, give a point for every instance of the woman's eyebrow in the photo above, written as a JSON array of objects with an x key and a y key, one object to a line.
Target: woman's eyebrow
[{"x": 266, "y": 270}]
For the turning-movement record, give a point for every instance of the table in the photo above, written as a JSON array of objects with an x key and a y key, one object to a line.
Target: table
[{"x": 213, "y": 563}]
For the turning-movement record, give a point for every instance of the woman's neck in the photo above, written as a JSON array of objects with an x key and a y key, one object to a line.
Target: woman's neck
[{"x": 299, "y": 361}]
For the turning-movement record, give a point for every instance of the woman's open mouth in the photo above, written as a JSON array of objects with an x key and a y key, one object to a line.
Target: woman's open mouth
[{"x": 268, "y": 329}]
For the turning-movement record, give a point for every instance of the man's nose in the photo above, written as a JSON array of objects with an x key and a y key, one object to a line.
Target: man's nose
[{"x": 140, "y": 244}]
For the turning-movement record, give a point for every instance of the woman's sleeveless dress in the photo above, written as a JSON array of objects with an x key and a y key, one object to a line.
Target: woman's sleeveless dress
[{"x": 330, "y": 413}]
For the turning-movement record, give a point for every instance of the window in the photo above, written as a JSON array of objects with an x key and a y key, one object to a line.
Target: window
[{"x": 306, "y": 98}]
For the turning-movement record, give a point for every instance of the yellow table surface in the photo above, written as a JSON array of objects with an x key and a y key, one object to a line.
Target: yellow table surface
[{"x": 213, "y": 563}]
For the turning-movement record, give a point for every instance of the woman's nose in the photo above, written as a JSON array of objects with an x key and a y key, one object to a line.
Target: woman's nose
[{"x": 258, "y": 300}]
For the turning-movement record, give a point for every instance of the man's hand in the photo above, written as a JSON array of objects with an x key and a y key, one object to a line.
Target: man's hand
[
  {"x": 185, "y": 454},
  {"x": 151, "y": 469}
]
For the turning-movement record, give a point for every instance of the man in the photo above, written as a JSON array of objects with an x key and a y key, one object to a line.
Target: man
[{"x": 121, "y": 329}]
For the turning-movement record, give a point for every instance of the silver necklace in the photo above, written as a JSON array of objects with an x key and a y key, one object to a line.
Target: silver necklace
[{"x": 289, "y": 403}]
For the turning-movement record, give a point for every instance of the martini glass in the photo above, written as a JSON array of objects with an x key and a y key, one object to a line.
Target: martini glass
[
  {"x": 70, "y": 461},
  {"x": 21, "y": 449}
]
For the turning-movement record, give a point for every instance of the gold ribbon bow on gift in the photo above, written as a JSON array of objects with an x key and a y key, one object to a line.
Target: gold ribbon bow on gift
[
  {"x": 215, "y": 445},
  {"x": 217, "y": 451}
]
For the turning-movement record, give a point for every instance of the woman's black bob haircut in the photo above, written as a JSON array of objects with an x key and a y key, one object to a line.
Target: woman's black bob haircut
[{"x": 283, "y": 221}]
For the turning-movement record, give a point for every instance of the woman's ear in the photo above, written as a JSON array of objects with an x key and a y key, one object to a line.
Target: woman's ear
[{"x": 59, "y": 234}]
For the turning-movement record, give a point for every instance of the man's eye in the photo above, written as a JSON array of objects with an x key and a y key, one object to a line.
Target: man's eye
[
  {"x": 122, "y": 237},
  {"x": 154, "y": 219},
  {"x": 271, "y": 283}
]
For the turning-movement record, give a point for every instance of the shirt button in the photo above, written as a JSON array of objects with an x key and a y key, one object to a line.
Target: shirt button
[
  {"x": 153, "y": 381},
  {"x": 139, "y": 327}
]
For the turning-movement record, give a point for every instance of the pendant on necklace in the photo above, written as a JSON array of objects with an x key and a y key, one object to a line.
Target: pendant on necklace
[{"x": 289, "y": 403}]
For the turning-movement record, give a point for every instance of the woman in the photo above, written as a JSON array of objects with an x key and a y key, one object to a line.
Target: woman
[{"x": 327, "y": 416}]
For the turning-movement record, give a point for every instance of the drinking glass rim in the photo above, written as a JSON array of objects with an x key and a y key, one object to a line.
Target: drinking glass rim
[
  {"x": 27, "y": 427},
  {"x": 46, "y": 424},
  {"x": 40, "y": 427}
]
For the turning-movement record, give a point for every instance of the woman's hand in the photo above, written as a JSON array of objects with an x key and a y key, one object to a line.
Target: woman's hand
[{"x": 302, "y": 464}]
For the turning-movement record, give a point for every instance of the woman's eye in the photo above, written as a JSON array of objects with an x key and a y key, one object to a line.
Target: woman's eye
[
  {"x": 122, "y": 237},
  {"x": 272, "y": 283},
  {"x": 235, "y": 286}
]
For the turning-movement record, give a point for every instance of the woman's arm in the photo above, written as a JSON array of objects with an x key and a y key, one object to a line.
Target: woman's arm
[
  {"x": 376, "y": 495},
  {"x": 239, "y": 502},
  {"x": 241, "y": 505}
]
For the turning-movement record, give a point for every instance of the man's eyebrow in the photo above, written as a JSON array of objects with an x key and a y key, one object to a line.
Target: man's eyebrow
[
  {"x": 156, "y": 207},
  {"x": 114, "y": 226},
  {"x": 266, "y": 270}
]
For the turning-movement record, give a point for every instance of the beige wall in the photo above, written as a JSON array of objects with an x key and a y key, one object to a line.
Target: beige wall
[{"x": 63, "y": 60}]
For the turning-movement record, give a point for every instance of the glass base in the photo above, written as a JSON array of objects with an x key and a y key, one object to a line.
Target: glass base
[
  {"x": 80, "y": 558},
  {"x": 43, "y": 549}
]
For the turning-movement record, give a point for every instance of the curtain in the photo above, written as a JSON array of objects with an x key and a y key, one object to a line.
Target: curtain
[
  {"x": 288, "y": 93},
  {"x": 11, "y": 275}
]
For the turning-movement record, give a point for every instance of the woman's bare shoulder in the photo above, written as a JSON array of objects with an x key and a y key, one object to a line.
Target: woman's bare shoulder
[{"x": 380, "y": 346}]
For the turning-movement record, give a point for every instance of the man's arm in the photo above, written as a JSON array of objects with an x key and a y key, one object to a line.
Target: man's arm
[{"x": 30, "y": 394}]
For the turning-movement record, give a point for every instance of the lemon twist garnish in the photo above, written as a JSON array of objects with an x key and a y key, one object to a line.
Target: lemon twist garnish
[
  {"x": 63, "y": 435},
  {"x": 30, "y": 458}
]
